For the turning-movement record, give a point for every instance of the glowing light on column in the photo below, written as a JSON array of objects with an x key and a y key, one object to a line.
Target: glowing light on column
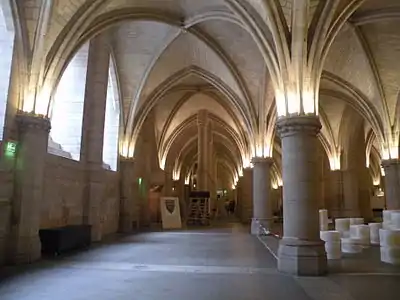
[
  {"x": 175, "y": 175},
  {"x": 240, "y": 172},
  {"x": 187, "y": 179},
  {"x": 383, "y": 171},
  {"x": 274, "y": 185},
  {"x": 334, "y": 163},
  {"x": 280, "y": 103},
  {"x": 293, "y": 101},
  {"x": 308, "y": 102},
  {"x": 126, "y": 150},
  {"x": 29, "y": 102},
  {"x": 42, "y": 101},
  {"x": 376, "y": 181},
  {"x": 289, "y": 103},
  {"x": 162, "y": 162},
  {"x": 246, "y": 163}
]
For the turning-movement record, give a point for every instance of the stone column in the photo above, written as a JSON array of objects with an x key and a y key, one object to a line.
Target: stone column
[
  {"x": 335, "y": 197},
  {"x": 186, "y": 194},
  {"x": 127, "y": 203},
  {"x": 392, "y": 183},
  {"x": 262, "y": 208},
  {"x": 26, "y": 206},
  {"x": 202, "y": 164},
  {"x": 93, "y": 132},
  {"x": 301, "y": 251},
  {"x": 247, "y": 195}
]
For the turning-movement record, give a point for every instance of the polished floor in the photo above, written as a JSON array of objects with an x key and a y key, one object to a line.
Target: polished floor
[{"x": 222, "y": 262}]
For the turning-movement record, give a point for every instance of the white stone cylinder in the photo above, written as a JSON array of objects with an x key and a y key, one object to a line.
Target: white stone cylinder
[
  {"x": 351, "y": 245},
  {"x": 389, "y": 238},
  {"x": 374, "y": 232},
  {"x": 356, "y": 221},
  {"x": 332, "y": 244},
  {"x": 333, "y": 250},
  {"x": 390, "y": 255},
  {"x": 395, "y": 220},
  {"x": 386, "y": 214},
  {"x": 323, "y": 219},
  {"x": 343, "y": 226},
  {"x": 361, "y": 233},
  {"x": 331, "y": 236}
]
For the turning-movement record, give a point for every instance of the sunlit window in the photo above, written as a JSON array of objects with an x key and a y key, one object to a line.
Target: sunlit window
[
  {"x": 67, "y": 108},
  {"x": 6, "y": 53},
  {"x": 111, "y": 124}
]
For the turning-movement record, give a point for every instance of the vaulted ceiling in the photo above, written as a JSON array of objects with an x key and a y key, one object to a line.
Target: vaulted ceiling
[{"x": 176, "y": 57}]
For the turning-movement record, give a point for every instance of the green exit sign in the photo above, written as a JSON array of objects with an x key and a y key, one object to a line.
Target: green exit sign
[{"x": 11, "y": 148}]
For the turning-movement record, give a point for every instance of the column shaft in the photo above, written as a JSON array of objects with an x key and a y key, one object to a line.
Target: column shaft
[
  {"x": 93, "y": 132},
  {"x": 301, "y": 251},
  {"x": 203, "y": 147},
  {"x": 31, "y": 160},
  {"x": 392, "y": 183},
  {"x": 262, "y": 210},
  {"x": 246, "y": 199},
  {"x": 127, "y": 203}
]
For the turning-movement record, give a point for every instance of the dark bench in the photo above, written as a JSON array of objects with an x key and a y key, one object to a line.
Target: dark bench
[{"x": 63, "y": 239}]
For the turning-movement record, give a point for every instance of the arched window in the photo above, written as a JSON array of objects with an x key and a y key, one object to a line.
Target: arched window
[
  {"x": 111, "y": 122},
  {"x": 7, "y": 34},
  {"x": 67, "y": 108}
]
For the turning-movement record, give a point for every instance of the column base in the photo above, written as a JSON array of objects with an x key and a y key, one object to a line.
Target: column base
[
  {"x": 27, "y": 250},
  {"x": 302, "y": 258}
]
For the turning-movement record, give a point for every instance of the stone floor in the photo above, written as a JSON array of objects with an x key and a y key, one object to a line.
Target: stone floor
[{"x": 222, "y": 262}]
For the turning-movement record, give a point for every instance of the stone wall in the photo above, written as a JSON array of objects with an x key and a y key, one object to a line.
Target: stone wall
[
  {"x": 6, "y": 187},
  {"x": 64, "y": 191}
]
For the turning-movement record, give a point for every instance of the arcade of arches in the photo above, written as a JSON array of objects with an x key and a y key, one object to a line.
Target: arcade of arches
[{"x": 282, "y": 105}]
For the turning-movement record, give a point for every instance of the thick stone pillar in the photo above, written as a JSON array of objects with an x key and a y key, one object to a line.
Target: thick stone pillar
[
  {"x": 203, "y": 147},
  {"x": 127, "y": 203},
  {"x": 93, "y": 132},
  {"x": 392, "y": 183},
  {"x": 262, "y": 206},
  {"x": 335, "y": 197},
  {"x": 301, "y": 251},
  {"x": 26, "y": 206},
  {"x": 246, "y": 186},
  {"x": 186, "y": 194}
]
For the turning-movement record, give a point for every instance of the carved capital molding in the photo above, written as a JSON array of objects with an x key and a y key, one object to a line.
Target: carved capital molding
[
  {"x": 262, "y": 160},
  {"x": 28, "y": 121},
  {"x": 126, "y": 160},
  {"x": 309, "y": 125}
]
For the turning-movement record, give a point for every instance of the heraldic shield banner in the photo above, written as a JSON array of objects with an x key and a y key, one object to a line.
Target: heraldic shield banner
[{"x": 170, "y": 213}]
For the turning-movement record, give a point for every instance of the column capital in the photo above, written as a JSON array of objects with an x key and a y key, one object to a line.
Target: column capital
[
  {"x": 126, "y": 160},
  {"x": 262, "y": 160},
  {"x": 28, "y": 121},
  {"x": 387, "y": 163},
  {"x": 310, "y": 125}
]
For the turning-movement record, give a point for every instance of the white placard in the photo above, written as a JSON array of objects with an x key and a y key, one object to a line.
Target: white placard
[{"x": 170, "y": 213}]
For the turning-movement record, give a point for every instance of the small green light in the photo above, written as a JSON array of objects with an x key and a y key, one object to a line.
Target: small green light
[
  {"x": 11, "y": 148},
  {"x": 140, "y": 180}
]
